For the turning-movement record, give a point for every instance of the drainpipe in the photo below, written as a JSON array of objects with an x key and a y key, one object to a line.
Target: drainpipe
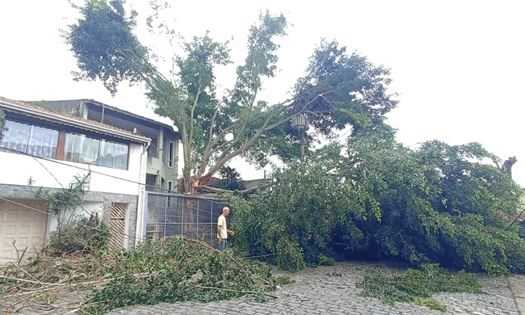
[{"x": 142, "y": 209}]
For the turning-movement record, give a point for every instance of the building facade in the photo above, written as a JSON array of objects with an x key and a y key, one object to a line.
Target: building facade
[
  {"x": 43, "y": 149},
  {"x": 163, "y": 151}
]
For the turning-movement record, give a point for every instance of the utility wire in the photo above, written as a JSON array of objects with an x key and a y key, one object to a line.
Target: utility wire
[{"x": 49, "y": 172}]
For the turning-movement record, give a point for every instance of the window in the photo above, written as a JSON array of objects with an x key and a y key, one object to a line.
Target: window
[
  {"x": 151, "y": 180},
  {"x": 81, "y": 148},
  {"x": 113, "y": 155},
  {"x": 171, "y": 154},
  {"x": 84, "y": 149},
  {"x": 170, "y": 186},
  {"x": 30, "y": 139},
  {"x": 43, "y": 142}
]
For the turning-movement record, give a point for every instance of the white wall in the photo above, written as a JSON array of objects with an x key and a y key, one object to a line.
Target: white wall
[{"x": 18, "y": 169}]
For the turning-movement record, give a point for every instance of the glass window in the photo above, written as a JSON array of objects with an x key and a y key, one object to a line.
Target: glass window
[
  {"x": 84, "y": 149},
  {"x": 16, "y": 136},
  {"x": 30, "y": 139},
  {"x": 113, "y": 155},
  {"x": 81, "y": 148},
  {"x": 43, "y": 142}
]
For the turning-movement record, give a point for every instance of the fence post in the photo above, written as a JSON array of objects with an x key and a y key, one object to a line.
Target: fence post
[
  {"x": 182, "y": 210},
  {"x": 211, "y": 221},
  {"x": 145, "y": 218},
  {"x": 165, "y": 216},
  {"x": 198, "y": 213}
]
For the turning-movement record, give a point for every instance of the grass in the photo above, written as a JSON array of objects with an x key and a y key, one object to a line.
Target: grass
[{"x": 418, "y": 285}]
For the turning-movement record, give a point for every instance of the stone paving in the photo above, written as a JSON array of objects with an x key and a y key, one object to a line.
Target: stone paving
[{"x": 332, "y": 290}]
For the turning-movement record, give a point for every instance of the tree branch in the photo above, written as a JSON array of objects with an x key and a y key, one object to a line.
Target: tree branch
[
  {"x": 192, "y": 113},
  {"x": 225, "y": 157},
  {"x": 208, "y": 149}
]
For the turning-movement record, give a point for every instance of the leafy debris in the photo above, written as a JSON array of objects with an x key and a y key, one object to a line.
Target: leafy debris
[{"x": 417, "y": 285}]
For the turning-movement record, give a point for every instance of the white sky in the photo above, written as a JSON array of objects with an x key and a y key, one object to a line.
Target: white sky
[{"x": 457, "y": 66}]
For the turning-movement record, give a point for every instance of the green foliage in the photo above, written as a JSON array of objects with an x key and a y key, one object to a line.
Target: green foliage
[
  {"x": 178, "y": 270},
  {"x": 417, "y": 285},
  {"x": 104, "y": 46},
  {"x": 87, "y": 235},
  {"x": 326, "y": 261},
  {"x": 380, "y": 200},
  {"x": 296, "y": 218},
  {"x": 288, "y": 254},
  {"x": 338, "y": 90},
  {"x": 231, "y": 179},
  {"x": 65, "y": 203},
  {"x": 430, "y": 213},
  {"x": 350, "y": 86}
]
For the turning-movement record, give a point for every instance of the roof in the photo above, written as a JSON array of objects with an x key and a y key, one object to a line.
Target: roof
[
  {"x": 34, "y": 111},
  {"x": 105, "y": 106}
]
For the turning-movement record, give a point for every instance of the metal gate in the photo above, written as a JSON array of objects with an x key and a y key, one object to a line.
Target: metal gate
[{"x": 170, "y": 214}]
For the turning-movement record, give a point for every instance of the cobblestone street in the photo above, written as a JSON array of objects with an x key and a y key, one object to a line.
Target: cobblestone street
[{"x": 332, "y": 290}]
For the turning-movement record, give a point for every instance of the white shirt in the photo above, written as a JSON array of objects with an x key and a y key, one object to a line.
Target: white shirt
[{"x": 222, "y": 230}]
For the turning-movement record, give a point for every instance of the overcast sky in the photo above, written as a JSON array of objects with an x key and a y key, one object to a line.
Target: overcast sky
[{"x": 457, "y": 66}]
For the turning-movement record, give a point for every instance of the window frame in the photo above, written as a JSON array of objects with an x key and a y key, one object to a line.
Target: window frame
[
  {"x": 100, "y": 141},
  {"x": 61, "y": 131},
  {"x": 27, "y": 146}
]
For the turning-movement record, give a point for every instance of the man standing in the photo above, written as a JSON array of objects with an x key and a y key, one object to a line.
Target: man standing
[{"x": 222, "y": 229}]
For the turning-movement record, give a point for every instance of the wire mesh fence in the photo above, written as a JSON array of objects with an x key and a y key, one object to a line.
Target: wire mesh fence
[{"x": 194, "y": 217}]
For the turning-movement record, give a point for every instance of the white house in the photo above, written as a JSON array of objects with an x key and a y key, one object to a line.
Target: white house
[{"x": 45, "y": 149}]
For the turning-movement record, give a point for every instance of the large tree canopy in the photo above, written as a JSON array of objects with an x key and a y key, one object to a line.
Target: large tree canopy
[
  {"x": 338, "y": 90},
  {"x": 439, "y": 203}
]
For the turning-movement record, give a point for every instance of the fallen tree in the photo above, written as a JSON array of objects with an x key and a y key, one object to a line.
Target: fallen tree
[{"x": 438, "y": 204}]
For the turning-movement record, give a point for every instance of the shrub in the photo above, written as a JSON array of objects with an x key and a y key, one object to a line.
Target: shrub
[{"x": 86, "y": 235}]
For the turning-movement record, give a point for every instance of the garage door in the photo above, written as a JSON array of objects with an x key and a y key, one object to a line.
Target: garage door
[{"x": 25, "y": 226}]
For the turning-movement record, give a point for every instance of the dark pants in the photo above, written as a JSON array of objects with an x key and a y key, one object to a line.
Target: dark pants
[{"x": 223, "y": 243}]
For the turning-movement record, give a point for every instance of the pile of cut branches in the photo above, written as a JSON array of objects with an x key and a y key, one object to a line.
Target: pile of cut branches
[
  {"x": 51, "y": 282},
  {"x": 179, "y": 270},
  {"x": 173, "y": 270}
]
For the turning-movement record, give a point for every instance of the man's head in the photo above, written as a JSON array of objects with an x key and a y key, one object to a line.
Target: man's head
[{"x": 226, "y": 211}]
